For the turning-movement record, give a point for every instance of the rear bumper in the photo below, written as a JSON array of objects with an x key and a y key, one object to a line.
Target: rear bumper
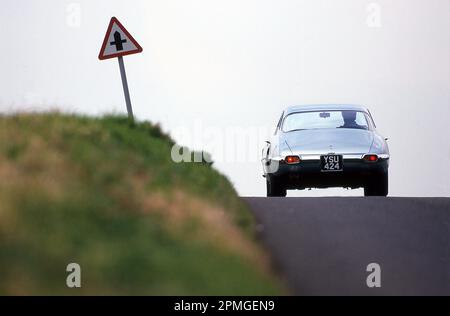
[{"x": 307, "y": 174}]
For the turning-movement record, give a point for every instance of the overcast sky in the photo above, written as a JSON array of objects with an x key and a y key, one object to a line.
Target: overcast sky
[{"x": 212, "y": 69}]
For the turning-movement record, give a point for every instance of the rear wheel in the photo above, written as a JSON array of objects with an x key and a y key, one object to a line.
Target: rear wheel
[
  {"x": 275, "y": 187},
  {"x": 377, "y": 186}
]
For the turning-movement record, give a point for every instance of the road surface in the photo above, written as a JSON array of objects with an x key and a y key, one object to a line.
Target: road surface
[{"x": 322, "y": 246}]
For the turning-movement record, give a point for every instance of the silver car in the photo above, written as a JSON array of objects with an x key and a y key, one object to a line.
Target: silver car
[{"x": 322, "y": 146}]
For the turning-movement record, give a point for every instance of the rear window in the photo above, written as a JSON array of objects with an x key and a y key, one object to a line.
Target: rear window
[{"x": 326, "y": 119}]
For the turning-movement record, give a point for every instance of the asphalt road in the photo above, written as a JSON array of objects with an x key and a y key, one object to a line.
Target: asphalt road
[{"x": 322, "y": 246}]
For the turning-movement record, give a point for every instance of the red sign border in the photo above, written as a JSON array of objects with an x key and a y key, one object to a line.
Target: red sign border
[{"x": 101, "y": 56}]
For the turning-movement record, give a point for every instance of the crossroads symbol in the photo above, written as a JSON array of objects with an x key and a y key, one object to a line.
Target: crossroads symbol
[{"x": 118, "y": 41}]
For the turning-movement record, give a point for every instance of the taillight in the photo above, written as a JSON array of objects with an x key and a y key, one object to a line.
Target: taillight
[
  {"x": 292, "y": 160},
  {"x": 371, "y": 158}
]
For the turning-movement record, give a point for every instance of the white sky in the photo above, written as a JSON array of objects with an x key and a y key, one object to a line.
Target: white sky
[{"x": 238, "y": 63}]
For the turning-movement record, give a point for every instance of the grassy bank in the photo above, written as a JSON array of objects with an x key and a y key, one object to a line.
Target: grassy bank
[{"x": 104, "y": 193}]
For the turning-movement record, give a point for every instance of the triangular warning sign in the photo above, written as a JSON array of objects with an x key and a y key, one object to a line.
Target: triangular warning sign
[{"x": 118, "y": 42}]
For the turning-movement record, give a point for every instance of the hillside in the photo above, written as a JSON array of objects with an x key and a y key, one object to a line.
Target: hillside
[{"x": 104, "y": 193}]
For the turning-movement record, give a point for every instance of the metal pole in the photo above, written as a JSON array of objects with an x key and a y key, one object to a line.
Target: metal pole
[{"x": 125, "y": 87}]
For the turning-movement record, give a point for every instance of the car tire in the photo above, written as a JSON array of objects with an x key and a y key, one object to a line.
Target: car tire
[
  {"x": 378, "y": 186},
  {"x": 275, "y": 187}
]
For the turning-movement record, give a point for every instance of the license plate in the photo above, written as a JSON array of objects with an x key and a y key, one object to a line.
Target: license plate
[{"x": 331, "y": 163}]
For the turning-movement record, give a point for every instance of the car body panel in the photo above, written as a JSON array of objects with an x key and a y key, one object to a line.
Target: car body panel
[
  {"x": 325, "y": 107},
  {"x": 324, "y": 141}
]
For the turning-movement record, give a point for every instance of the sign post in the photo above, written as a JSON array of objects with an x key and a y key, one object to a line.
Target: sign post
[
  {"x": 118, "y": 42},
  {"x": 126, "y": 92}
]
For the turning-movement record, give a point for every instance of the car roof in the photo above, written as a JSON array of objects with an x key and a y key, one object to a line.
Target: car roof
[{"x": 325, "y": 107}]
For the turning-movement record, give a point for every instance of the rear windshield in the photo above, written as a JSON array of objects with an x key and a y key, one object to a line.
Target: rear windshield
[{"x": 326, "y": 119}]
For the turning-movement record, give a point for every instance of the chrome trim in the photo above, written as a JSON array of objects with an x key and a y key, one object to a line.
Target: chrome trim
[
  {"x": 344, "y": 156},
  {"x": 277, "y": 158}
]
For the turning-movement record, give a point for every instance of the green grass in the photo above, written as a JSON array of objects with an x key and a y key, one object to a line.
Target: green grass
[{"x": 104, "y": 193}]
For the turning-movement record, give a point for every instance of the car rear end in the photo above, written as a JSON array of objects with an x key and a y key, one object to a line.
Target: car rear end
[
  {"x": 330, "y": 170},
  {"x": 328, "y": 146}
]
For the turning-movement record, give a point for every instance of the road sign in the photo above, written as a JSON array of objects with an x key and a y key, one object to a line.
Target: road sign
[{"x": 118, "y": 42}]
